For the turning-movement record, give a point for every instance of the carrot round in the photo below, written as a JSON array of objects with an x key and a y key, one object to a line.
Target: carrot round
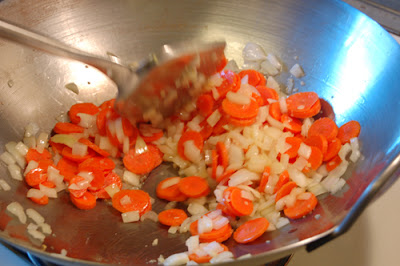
[
  {"x": 301, "y": 207},
  {"x": 110, "y": 179},
  {"x": 348, "y": 131},
  {"x": 67, "y": 128},
  {"x": 34, "y": 155},
  {"x": 294, "y": 142},
  {"x": 292, "y": 124},
  {"x": 251, "y": 230},
  {"x": 225, "y": 176},
  {"x": 255, "y": 78},
  {"x": 67, "y": 153},
  {"x": 283, "y": 179},
  {"x": 193, "y": 186},
  {"x": 333, "y": 163},
  {"x": 206, "y": 130},
  {"x": 46, "y": 183},
  {"x": 77, "y": 193},
  {"x": 155, "y": 135},
  {"x": 205, "y": 104},
  {"x": 275, "y": 111},
  {"x": 267, "y": 93},
  {"x": 189, "y": 135},
  {"x": 285, "y": 190},
  {"x": 324, "y": 126},
  {"x": 223, "y": 158},
  {"x": 259, "y": 100},
  {"x": 219, "y": 127},
  {"x": 139, "y": 201},
  {"x": 239, "y": 204},
  {"x": 94, "y": 147},
  {"x": 86, "y": 202},
  {"x": 231, "y": 82},
  {"x": 41, "y": 201},
  {"x": 318, "y": 141},
  {"x": 139, "y": 164},
  {"x": 303, "y": 104},
  {"x": 84, "y": 108},
  {"x": 97, "y": 163},
  {"x": 219, "y": 235},
  {"x": 172, "y": 217},
  {"x": 35, "y": 177},
  {"x": 264, "y": 179},
  {"x": 315, "y": 159},
  {"x": 206, "y": 258},
  {"x": 240, "y": 111},
  {"x": 170, "y": 193},
  {"x": 68, "y": 169},
  {"x": 334, "y": 147},
  {"x": 242, "y": 122}
]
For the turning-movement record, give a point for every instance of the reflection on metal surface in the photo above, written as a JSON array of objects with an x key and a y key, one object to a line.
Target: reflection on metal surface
[{"x": 348, "y": 59}]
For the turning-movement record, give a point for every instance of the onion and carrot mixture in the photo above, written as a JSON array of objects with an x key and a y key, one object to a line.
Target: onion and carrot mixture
[{"x": 250, "y": 159}]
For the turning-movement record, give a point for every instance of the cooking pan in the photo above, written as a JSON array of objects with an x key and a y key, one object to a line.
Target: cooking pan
[{"x": 348, "y": 59}]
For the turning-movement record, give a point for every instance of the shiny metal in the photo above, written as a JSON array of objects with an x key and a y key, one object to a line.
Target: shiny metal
[
  {"x": 136, "y": 82},
  {"x": 349, "y": 60}
]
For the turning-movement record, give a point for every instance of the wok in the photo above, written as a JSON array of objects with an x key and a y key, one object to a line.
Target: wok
[{"x": 349, "y": 60}]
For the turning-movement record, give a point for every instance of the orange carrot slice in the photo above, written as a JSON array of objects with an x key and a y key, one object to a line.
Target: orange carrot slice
[
  {"x": 318, "y": 141},
  {"x": 285, "y": 190},
  {"x": 301, "y": 207},
  {"x": 240, "y": 111},
  {"x": 193, "y": 186},
  {"x": 86, "y": 202},
  {"x": 67, "y": 128},
  {"x": 348, "y": 131},
  {"x": 172, "y": 217},
  {"x": 283, "y": 179},
  {"x": 189, "y": 135},
  {"x": 84, "y": 108},
  {"x": 264, "y": 179},
  {"x": 334, "y": 147},
  {"x": 324, "y": 126},
  {"x": 170, "y": 193},
  {"x": 138, "y": 201},
  {"x": 251, "y": 230},
  {"x": 303, "y": 104}
]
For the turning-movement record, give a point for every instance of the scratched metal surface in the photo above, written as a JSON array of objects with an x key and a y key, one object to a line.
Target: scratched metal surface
[{"x": 349, "y": 60}]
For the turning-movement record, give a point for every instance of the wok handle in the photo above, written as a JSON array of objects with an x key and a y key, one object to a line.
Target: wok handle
[
  {"x": 377, "y": 186},
  {"x": 38, "y": 41}
]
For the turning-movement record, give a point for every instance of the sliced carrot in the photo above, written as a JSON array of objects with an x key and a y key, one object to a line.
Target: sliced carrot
[
  {"x": 283, "y": 179},
  {"x": 255, "y": 78},
  {"x": 225, "y": 176},
  {"x": 129, "y": 130},
  {"x": 240, "y": 111},
  {"x": 67, "y": 128},
  {"x": 219, "y": 127},
  {"x": 35, "y": 177},
  {"x": 111, "y": 137},
  {"x": 264, "y": 179},
  {"x": 170, "y": 193},
  {"x": 348, "y": 131},
  {"x": 205, "y": 104},
  {"x": 97, "y": 163},
  {"x": 149, "y": 133},
  {"x": 110, "y": 179},
  {"x": 34, "y": 155},
  {"x": 333, "y": 163},
  {"x": 86, "y": 202},
  {"x": 77, "y": 193},
  {"x": 139, "y": 201},
  {"x": 157, "y": 154},
  {"x": 67, "y": 153},
  {"x": 318, "y": 141},
  {"x": 194, "y": 186},
  {"x": 68, "y": 169},
  {"x": 101, "y": 119},
  {"x": 46, "y": 183},
  {"x": 42, "y": 201},
  {"x": 140, "y": 164},
  {"x": 334, "y": 147},
  {"x": 294, "y": 142},
  {"x": 226, "y": 200},
  {"x": 219, "y": 235},
  {"x": 107, "y": 104},
  {"x": 315, "y": 159},
  {"x": 285, "y": 190},
  {"x": 206, "y": 130},
  {"x": 301, "y": 207},
  {"x": 94, "y": 147},
  {"x": 172, "y": 217},
  {"x": 98, "y": 180},
  {"x": 206, "y": 258},
  {"x": 259, "y": 100},
  {"x": 214, "y": 163},
  {"x": 57, "y": 147},
  {"x": 189, "y": 135},
  {"x": 251, "y": 230},
  {"x": 81, "y": 108},
  {"x": 223, "y": 158},
  {"x": 275, "y": 111},
  {"x": 267, "y": 93},
  {"x": 324, "y": 126},
  {"x": 239, "y": 204},
  {"x": 231, "y": 82},
  {"x": 225, "y": 210},
  {"x": 303, "y": 104},
  {"x": 292, "y": 124},
  {"x": 242, "y": 122}
]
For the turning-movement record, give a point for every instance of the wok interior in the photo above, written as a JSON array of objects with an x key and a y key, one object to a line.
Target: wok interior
[{"x": 349, "y": 61}]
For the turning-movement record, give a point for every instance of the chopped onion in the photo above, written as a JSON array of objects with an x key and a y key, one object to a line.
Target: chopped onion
[
  {"x": 344, "y": 150},
  {"x": 11, "y": 148},
  {"x": 238, "y": 98},
  {"x": 15, "y": 172},
  {"x": 272, "y": 83},
  {"x": 112, "y": 189},
  {"x": 119, "y": 131},
  {"x": 232, "y": 66},
  {"x": 37, "y": 235},
  {"x": 304, "y": 196},
  {"x": 21, "y": 148},
  {"x": 220, "y": 222},
  {"x": 268, "y": 68},
  {"x": 41, "y": 142},
  {"x": 31, "y": 130},
  {"x": 34, "y": 193},
  {"x": 35, "y": 216},
  {"x": 125, "y": 200},
  {"x": 222, "y": 257},
  {"x": 213, "y": 248},
  {"x": 195, "y": 208},
  {"x": 304, "y": 151},
  {"x": 105, "y": 144},
  {"x": 192, "y": 243},
  {"x": 253, "y": 52},
  {"x": 65, "y": 139},
  {"x": 213, "y": 119},
  {"x": 173, "y": 229},
  {"x": 87, "y": 121},
  {"x": 7, "y": 158},
  {"x": 32, "y": 226},
  {"x": 297, "y": 71},
  {"x": 282, "y": 221},
  {"x": 4, "y": 185},
  {"x": 275, "y": 123},
  {"x": 131, "y": 178},
  {"x": 274, "y": 61},
  {"x": 317, "y": 189},
  {"x": 283, "y": 105},
  {"x": 79, "y": 149},
  {"x": 298, "y": 177},
  {"x": 170, "y": 205},
  {"x": 245, "y": 80},
  {"x": 30, "y": 141},
  {"x": 247, "y": 195},
  {"x": 215, "y": 93},
  {"x": 49, "y": 192},
  {"x": 125, "y": 145},
  {"x": 257, "y": 163},
  {"x": 338, "y": 186},
  {"x": 45, "y": 228},
  {"x": 205, "y": 225},
  {"x": 140, "y": 146},
  {"x": 185, "y": 225},
  {"x": 129, "y": 217},
  {"x": 16, "y": 209},
  {"x": 151, "y": 215},
  {"x": 176, "y": 259},
  {"x": 242, "y": 176},
  {"x": 191, "y": 151},
  {"x": 355, "y": 150}
]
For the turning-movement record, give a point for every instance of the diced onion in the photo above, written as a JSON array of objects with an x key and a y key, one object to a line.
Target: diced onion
[
  {"x": 35, "y": 216},
  {"x": 272, "y": 83},
  {"x": 213, "y": 248},
  {"x": 7, "y": 158},
  {"x": 4, "y": 185},
  {"x": 151, "y": 215},
  {"x": 140, "y": 146},
  {"x": 195, "y": 208},
  {"x": 87, "y": 121},
  {"x": 45, "y": 228},
  {"x": 268, "y": 68},
  {"x": 222, "y": 257},
  {"x": 79, "y": 149},
  {"x": 238, "y": 98},
  {"x": 191, "y": 151},
  {"x": 192, "y": 243},
  {"x": 31, "y": 130},
  {"x": 112, "y": 189},
  {"x": 304, "y": 150},
  {"x": 131, "y": 178},
  {"x": 49, "y": 192},
  {"x": 253, "y": 52},
  {"x": 37, "y": 235},
  {"x": 205, "y": 225},
  {"x": 35, "y": 193},
  {"x": 304, "y": 196},
  {"x": 15, "y": 172},
  {"x": 119, "y": 131},
  {"x": 65, "y": 139},
  {"x": 21, "y": 148},
  {"x": 30, "y": 141},
  {"x": 16, "y": 209},
  {"x": 125, "y": 200},
  {"x": 129, "y": 217},
  {"x": 41, "y": 141},
  {"x": 213, "y": 119},
  {"x": 176, "y": 259},
  {"x": 344, "y": 151},
  {"x": 283, "y": 105},
  {"x": 242, "y": 176},
  {"x": 297, "y": 71},
  {"x": 274, "y": 61}
]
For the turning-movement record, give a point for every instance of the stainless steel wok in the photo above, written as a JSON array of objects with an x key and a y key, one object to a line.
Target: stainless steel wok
[{"x": 348, "y": 59}]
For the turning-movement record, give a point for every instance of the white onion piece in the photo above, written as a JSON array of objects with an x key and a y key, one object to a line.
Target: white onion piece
[
  {"x": 176, "y": 259},
  {"x": 185, "y": 225},
  {"x": 105, "y": 144},
  {"x": 140, "y": 146},
  {"x": 34, "y": 193},
  {"x": 268, "y": 68},
  {"x": 238, "y": 98},
  {"x": 257, "y": 163},
  {"x": 282, "y": 221},
  {"x": 215, "y": 93},
  {"x": 213, "y": 248},
  {"x": 222, "y": 257},
  {"x": 253, "y": 52},
  {"x": 274, "y": 61},
  {"x": 54, "y": 175},
  {"x": 304, "y": 196},
  {"x": 191, "y": 151},
  {"x": 192, "y": 243},
  {"x": 11, "y": 148},
  {"x": 88, "y": 176},
  {"x": 245, "y": 80},
  {"x": 125, "y": 200},
  {"x": 15, "y": 172},
  {"x": 195, "y": 208},
  {"x": 275, "y": 123},
  {"x": 262, "y": 115},
  {"x": 254, "y": 65},
  {"x": 16, "y": 209},
  {"x": 213, "y": 119},
  {"x": 86, "y": 120},
  {"x": 45, "y": 228},
  {"x": 220, "y": 222},
  {"x": 131, "y": 178},
  {"x": 119, "y": 130},
  {"x": 4, "y": 185},
  {"x": 21, "y": 148},
  {"x": 35, "y": 216},
  {"x": 304, "y": 150},
  {"x": 298, "y": 177},
  {"x": 31, "y": 130},
  {"x": 112, "y": 189},
  {"x": 151, "y": 215},
  {"x": 65, "y": 139},
  {"x": 125, "y": 145},
  {"x": 79, "y": 149},
  {"x": 338, "y": 186},
  {"x": 239, "y": 139},
  {"x": 32, "y": 226},
  {"x": 297, "y": 71},
  {"x": 344, "y": 151},
  {"x": 355, "y": 150},
  {"x": 307, "y": 122},
  {"x": 7, "y": 158},
  {"x": 129, "y": 217},
  {"x": 283, "y": 105},
  {"x": 173, "y": 229},
  {"x": 248, "y": 90},
  {"x": 247, "y": 195},
  {"x": 232, "y": 66},
  {"x": 41, "y": 142},
  {"x": 317, "y": 189},
  {"x": 241, "y": 176},
  {"x": 49, "y": 192},
  {"x": 37, "y": 235},
  {"x": 205, "y": 225},
  {"x": 272, "y": 83}
]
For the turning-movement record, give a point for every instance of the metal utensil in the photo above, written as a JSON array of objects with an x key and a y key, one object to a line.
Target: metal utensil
[{"x": 138, "y": 83}]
